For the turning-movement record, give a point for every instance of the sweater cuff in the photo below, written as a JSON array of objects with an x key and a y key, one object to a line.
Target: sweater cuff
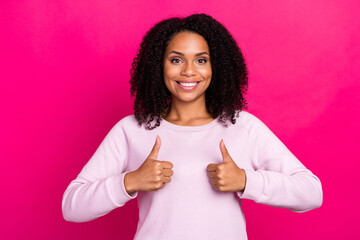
[
  {"x": 117, "y": 191},
  {"x": 254, "y": 186}
]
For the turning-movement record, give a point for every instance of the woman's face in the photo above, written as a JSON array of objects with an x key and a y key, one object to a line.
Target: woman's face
[{"x": 187, "y": 67}]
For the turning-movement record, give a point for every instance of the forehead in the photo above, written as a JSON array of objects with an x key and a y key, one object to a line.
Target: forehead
[{"x": 187, "y": 42}]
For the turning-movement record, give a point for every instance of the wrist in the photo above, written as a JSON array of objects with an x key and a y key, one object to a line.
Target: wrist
[
  {"x": 242, "y": 179},
  {"x": 130, "y": 183}
]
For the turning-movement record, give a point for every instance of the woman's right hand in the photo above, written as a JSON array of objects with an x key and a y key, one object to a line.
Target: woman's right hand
[{"x": 151, "y": 175}]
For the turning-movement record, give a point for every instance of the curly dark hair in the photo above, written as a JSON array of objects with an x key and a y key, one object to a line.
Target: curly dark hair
[{"x": 229, "y": 83}]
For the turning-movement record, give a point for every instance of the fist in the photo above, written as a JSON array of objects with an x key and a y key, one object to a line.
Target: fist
[
  {"x": 226, "y": 176},
  {"x": 152, "y": 175}
]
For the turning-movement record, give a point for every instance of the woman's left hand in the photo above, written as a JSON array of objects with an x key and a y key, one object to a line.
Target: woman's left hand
[{"x": 226, "y": 176}]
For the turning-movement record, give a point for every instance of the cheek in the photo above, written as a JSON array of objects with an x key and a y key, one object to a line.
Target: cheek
[
  {"x": 206, "y": 72},
  {"x": 168, "y": 76},
  {"x": 169, "y": 72}
]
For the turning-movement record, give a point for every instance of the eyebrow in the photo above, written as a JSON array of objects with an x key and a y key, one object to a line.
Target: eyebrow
[{"x": 198, "y": 54}]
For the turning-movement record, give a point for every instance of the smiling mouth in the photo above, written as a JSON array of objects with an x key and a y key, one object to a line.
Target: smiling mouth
[{"x": 187, "y": 84}]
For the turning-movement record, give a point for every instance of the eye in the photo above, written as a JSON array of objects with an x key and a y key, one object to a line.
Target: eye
[
  {"x": 175, "y": 60},
  {"x": 202, "y": 60}
]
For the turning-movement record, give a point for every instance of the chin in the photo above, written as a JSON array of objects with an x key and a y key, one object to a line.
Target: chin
[{"x": 187, "y": 99}]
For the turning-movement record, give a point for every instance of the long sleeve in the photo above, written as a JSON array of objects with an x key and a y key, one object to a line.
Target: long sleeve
[
  {"x": 278, "y": 178},
  {"x": 99, "y": 187}
]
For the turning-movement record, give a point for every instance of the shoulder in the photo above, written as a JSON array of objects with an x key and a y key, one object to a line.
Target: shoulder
[
  {"x": 256, "y": 127},
  {"x": 127, "y": 122},
  {"x": 124, "y": 125},
  {"x": 248, "y": 119},
  {"x": 251, "y": 123},
  {"x": 122, "y": 130}
]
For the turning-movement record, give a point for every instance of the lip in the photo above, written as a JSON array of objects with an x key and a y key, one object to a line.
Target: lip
[
  {"x": 187, "y": 88},
  {"x": 188, "y": 81}
]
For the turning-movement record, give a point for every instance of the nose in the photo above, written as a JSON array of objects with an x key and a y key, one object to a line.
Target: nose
[{"x": 188, "y": 69}]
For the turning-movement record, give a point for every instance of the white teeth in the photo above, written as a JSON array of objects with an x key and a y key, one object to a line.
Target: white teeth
[{"x": 188, "y": 84}]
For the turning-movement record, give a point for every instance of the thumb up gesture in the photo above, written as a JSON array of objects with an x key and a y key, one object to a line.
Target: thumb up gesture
[
  {"x": 151, "y": 175},
  {"x": 226, "y": 176}
]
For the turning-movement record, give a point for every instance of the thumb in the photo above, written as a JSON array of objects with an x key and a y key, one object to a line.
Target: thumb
[
  {"x": 224, "y": 152},
  {"x": 155, "y": 150}
]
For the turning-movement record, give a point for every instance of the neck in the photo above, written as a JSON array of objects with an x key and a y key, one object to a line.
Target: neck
[{"x": 187, "y": 111}]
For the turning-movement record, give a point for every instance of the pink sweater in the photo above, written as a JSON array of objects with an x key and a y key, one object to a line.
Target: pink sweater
[{"x": 188, "y": 207}]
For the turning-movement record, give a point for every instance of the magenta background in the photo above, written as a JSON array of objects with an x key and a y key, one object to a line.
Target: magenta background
[{"x": 64, "y": 83}]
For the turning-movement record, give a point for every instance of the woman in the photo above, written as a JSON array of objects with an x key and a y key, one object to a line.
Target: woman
[{"x": 189, "y": 80}]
